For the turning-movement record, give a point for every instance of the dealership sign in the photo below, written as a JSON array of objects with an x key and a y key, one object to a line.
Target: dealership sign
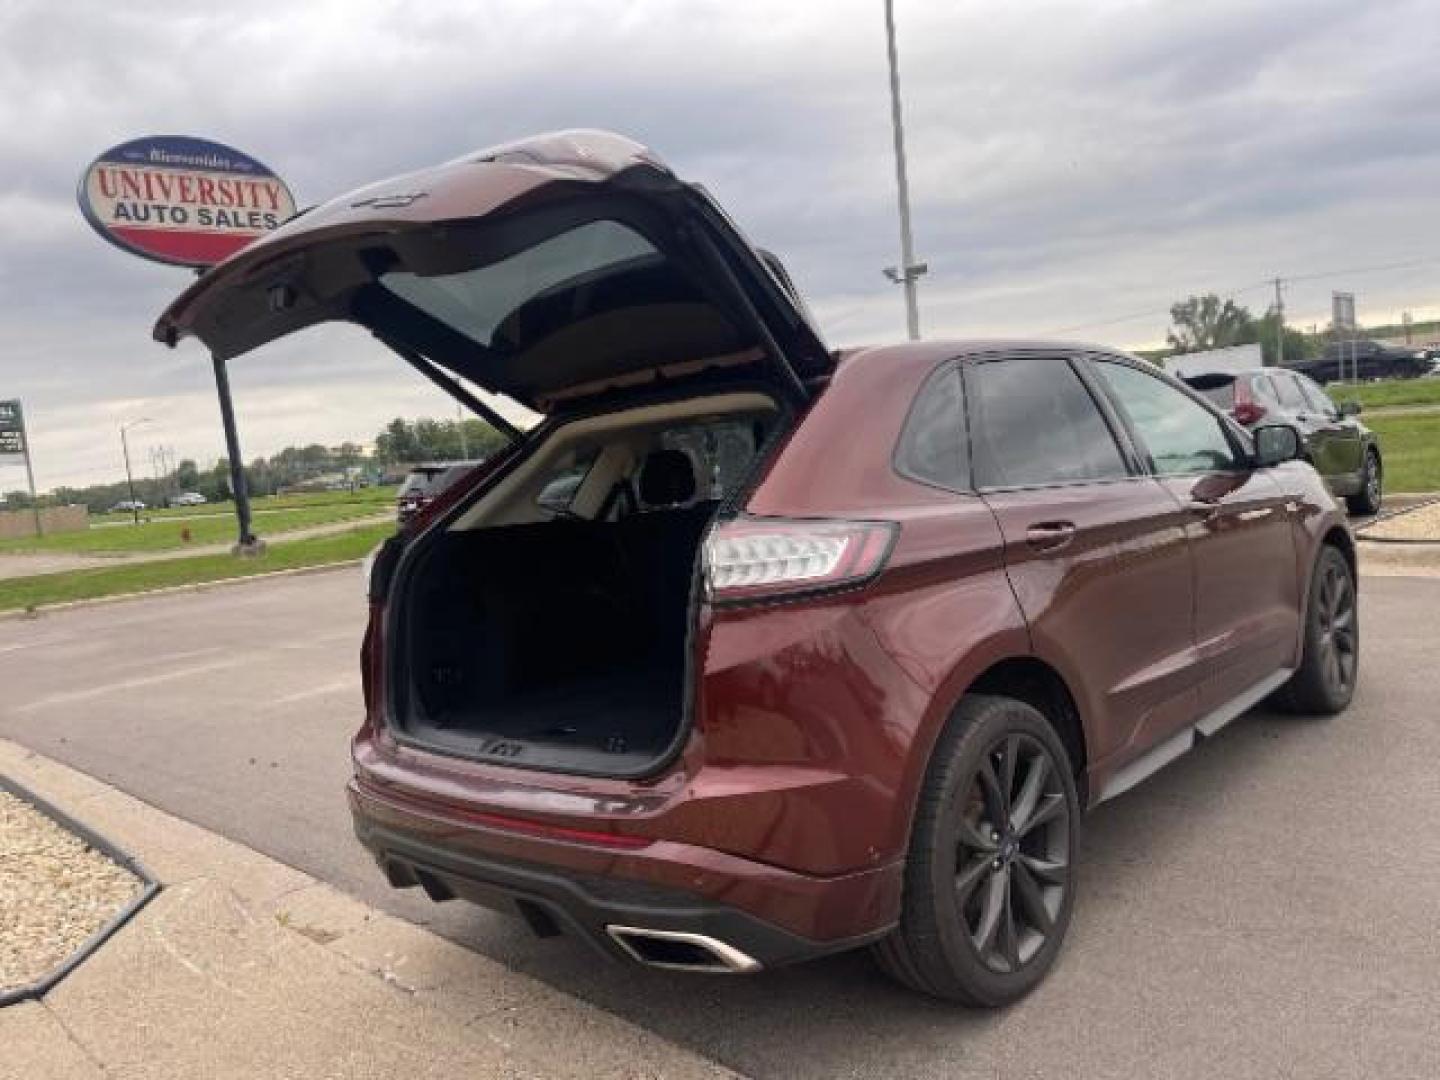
[
  {"x": 12, "y": 429},
  {"x": 184, "y": 201}
]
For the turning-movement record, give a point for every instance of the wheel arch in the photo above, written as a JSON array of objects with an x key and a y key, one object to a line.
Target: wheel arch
[
  {"x": 1338, "y": 536},
  {"x": 1033, "y": 681}
]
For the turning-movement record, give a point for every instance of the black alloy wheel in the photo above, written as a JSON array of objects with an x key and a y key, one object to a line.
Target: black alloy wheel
[
  {"x": 1329, "y": 668},
  {"x": 1338, "y": 624},
  {"x": 1012, "y": 863},
  {"x": 989, "y": 880}
]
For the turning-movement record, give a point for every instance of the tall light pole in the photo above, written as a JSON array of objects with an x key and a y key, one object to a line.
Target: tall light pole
[
  {"x": 909, "y": 270},
  {"x": 125, "y": 448}
]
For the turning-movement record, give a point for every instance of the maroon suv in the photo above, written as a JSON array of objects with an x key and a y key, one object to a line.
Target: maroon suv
[{"x": 750, "y": 651}]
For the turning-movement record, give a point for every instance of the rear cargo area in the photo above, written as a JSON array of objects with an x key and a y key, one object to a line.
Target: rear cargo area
[{"x": 562, "y": 643}]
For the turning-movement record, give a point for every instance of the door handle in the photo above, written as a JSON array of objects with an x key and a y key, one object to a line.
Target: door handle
[
  {"x": 1050, "y": 535},
  {"x": 1203, "y": 509}
]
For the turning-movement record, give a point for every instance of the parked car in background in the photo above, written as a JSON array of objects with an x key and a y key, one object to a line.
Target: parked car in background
[
  {"x": 1363, "y": 361},
  {"x": 423, "y": 483},
  {"x": 127, "y": 506},
  {"x": 1343, "y": 450},
  {"x": 187, "y": 498},
  {"x": 824, "y": 649}
]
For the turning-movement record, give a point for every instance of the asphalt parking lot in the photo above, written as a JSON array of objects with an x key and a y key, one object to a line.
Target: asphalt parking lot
[{"x": 1268, "y": 906}]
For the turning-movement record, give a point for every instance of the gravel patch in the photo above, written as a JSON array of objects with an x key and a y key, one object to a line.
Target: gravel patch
[
  {"x": 55, "y": 891},
  {"x": 1419, "y": 524}
]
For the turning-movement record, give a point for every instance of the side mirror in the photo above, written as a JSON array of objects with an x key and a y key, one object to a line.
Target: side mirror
[
  {"x": 1275, "y": 444},
  {"x": 1349, "y": 408}
]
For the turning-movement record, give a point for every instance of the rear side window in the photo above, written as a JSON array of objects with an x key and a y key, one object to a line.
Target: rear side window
[
  {"x": 932, "y": 446},
  {"x": 1289, "y": 393},
  {"x": 1318, "y": 399},
  {"x": 558, "y": 492},
  {"x": 1032, "y": 422},
  {"x": 1264, "y": 389}
]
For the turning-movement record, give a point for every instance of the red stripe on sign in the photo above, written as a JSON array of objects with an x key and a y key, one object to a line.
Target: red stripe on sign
[{"x": 200, "y": 248}]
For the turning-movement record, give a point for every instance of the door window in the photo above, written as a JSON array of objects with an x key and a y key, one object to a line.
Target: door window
[
  {"x": 1181, "y": 435},
  {"x": 1033, "y": 422}
]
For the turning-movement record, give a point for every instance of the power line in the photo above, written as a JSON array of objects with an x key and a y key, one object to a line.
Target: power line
[{"x": 1286, "y": 278}]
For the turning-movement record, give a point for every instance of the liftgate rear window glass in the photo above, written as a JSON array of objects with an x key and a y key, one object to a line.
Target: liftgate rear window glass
[{"x": 480, "y": 302}]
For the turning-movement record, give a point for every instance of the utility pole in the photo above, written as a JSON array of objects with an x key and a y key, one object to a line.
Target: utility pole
[
  {"x": 909, "y": 271},
  {"x": 129, "y": 477},
  {"x": 460, "y": 421},
  {"x": 1279, "y": 326}
]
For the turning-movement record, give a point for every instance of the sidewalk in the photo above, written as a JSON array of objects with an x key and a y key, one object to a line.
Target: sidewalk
[{"x": 243, "y": 967}]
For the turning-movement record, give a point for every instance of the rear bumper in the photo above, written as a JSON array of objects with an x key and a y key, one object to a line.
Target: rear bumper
[{"x": 759, "y": 913}]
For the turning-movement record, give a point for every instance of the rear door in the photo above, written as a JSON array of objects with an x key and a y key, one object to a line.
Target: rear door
[
  {"x": 1313, "y": 427},
  {"x": 1095, "y": 551},
  {"x": 1344, "y": 446},
  {"x": 557, "y": 267},
  {"x": 1247, "y": 602}
]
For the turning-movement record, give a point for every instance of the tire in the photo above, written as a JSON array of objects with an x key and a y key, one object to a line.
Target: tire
[
  {"x": 1367, "y": 500},
  {"x": 1324, "y": 682},
  {"x": 983, "y": 919}
]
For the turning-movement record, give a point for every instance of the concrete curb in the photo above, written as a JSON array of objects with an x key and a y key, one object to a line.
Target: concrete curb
[
  {"x": 171, "y": 590},
  {"x": 47, "y": 982},
  {"x": 1401, "y": 511},
  {"x": 243, "y": 966}
]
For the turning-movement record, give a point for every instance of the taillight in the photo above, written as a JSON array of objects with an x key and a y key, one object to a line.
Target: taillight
[
  {"x": 1246, "y": 410},
  {"x": 758, "y": 558}
]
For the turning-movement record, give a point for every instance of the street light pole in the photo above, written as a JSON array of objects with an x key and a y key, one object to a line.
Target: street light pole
[
  {"x": 129, "y": 478},
  {"x": 909, "y": 270}
]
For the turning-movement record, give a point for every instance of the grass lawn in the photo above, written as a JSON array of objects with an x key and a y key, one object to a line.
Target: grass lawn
[
  {"x": 372, "y": 496},
  {"x": 140, "y": 577},
  {"x": 163, "y": 531},
  {"x": 1379, "y": 395},
  {"x": 1411, "y": 448}
]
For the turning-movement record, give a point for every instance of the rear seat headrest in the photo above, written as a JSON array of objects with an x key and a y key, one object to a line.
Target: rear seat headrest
[{"x": 667, "y": 478}]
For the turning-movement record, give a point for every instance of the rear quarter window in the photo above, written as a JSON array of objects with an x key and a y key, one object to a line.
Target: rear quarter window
[
  {"x": 1221, "y": 394},
  {"x": 932, "y": 446}
]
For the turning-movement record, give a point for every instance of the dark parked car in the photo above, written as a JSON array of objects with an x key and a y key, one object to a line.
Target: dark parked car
[
  {"x": 1342, "y": 449},
  {"x": 423, "y": 484},
  {"x": 1363, "y": 360},
  {"x": 824, "y": 649}
]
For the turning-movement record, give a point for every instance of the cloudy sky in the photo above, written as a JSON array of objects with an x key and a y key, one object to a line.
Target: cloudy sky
[{"x": 1075, "y": 167}]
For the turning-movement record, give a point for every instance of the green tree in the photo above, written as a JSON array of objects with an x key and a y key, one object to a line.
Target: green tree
[
  {"x": 404, "y": 442},
  {"x": 187, "y": 475},
  {"x": 397, "y": 444},
  {"x": 1297, "y": 346},
  {"x": 1207, "y": 322}
]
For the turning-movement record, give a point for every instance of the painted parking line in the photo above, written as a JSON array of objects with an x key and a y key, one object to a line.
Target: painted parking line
[
  {"x": 334, "y": 686},
  {"x": 122, "y": 685}
]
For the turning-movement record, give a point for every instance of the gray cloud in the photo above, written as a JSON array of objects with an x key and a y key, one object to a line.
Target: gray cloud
[{"x": 1071, "y": 163}]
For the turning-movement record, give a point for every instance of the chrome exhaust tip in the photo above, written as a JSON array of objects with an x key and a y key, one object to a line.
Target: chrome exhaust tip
[{"x": 676, "y": 950}]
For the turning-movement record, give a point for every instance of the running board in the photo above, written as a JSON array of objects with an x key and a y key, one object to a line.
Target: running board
[{"x": 1157, "y": 757}]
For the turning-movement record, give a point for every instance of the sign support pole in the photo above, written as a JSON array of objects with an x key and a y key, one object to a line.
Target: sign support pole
[
  {"x": 248, "y": 544},
  {"x": 30, "y": 471}
]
